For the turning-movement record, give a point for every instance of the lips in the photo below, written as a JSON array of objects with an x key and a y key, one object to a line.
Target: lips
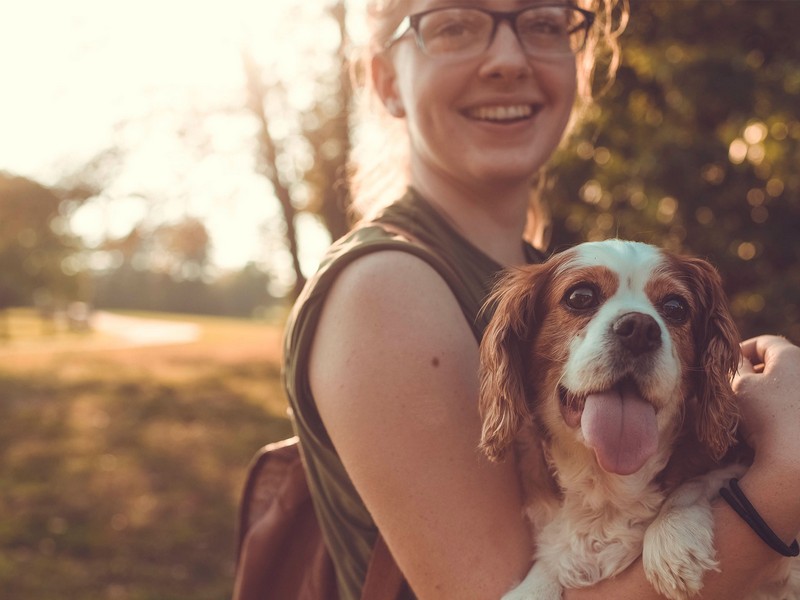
[
  {"x": 501, "y": 113},
  {"x": 571, "y": 406}
]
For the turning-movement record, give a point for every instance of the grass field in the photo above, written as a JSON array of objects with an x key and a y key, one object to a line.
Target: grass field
[{"x": 122, "y": 466}]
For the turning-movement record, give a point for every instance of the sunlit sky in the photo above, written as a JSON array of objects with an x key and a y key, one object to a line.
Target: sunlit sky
[{"x": 163, "y": 79}]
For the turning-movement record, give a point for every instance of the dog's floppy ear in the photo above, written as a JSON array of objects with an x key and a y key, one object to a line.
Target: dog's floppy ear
[
  {"x": 717, "y": 350},
  {"x": 504, "y": 353}
]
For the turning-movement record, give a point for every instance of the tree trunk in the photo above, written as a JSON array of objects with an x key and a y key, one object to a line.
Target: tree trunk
[{"x": 268, "y": 155}]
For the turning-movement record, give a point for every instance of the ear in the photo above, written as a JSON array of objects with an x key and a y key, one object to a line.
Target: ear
[
  {"x": 717, "y": 351},
  {"x": 384, "y": 80},
  {"x": 504, "y": 354}
]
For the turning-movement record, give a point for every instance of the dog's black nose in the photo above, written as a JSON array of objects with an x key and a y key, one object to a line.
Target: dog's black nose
[{"x": 637, "y": 332}]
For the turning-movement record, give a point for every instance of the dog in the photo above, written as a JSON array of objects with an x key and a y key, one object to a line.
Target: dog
[{"x": 608, "y": 371}]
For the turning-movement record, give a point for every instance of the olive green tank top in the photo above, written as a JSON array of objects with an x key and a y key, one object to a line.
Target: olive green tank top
[{"x": 409, "y": 225}]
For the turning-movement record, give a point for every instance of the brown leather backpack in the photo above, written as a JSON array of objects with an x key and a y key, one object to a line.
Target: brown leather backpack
[{"x": 281, "y": 551}]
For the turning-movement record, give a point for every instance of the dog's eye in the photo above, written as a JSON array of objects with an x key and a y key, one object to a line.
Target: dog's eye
[
  {"x": 582, "y": 297},
  {"x": 675, "y": 309}
]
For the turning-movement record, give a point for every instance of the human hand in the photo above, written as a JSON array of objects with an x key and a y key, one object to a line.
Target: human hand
[{"x": 767, "y": 386}]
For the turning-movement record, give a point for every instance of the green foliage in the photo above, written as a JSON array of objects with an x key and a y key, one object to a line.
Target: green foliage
[
  {"x": 696, "y": 147},
  {"x": 35, "y": 245},
  {"x": 165, "y": 269},
  {"x": 241, "y": 294}
]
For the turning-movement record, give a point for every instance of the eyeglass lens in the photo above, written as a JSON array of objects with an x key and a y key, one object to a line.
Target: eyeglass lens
[{"x": 542, "y": 30}]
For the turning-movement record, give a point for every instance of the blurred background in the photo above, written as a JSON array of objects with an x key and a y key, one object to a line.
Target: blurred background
[{"x": 171, "y": 171}]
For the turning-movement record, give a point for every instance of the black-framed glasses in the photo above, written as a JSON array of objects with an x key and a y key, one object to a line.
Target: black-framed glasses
[{"x": 543, "y": 30}]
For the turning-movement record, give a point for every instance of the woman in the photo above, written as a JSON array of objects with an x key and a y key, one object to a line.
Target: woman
[{"x": 382, "y": 347}]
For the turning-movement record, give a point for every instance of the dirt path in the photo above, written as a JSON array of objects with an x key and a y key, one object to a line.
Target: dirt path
[{"x": 138, "y": 331}]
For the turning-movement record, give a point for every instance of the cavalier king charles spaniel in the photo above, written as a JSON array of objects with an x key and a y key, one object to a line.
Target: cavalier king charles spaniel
[{"x": 608, "y": 371}]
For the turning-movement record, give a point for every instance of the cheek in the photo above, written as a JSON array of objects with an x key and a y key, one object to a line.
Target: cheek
[
  {"x": 432, "y": 124},
  {"x": 558, "y": 81},
  {"x": 427, "y": 88}
]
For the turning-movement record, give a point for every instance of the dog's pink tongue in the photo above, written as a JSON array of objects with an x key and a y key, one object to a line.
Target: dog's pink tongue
[{"x": 621, "y": 429}]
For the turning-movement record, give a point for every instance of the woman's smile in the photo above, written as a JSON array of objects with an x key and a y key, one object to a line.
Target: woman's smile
[{"x": 501, "y": 113}]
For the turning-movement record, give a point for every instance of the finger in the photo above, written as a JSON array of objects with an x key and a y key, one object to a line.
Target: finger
[
  {"x": 758, "y": 349},
  {"x": 750, "y": 349}
]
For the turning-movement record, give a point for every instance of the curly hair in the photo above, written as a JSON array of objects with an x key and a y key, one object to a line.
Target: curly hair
[{"x": 379, "y": 158}]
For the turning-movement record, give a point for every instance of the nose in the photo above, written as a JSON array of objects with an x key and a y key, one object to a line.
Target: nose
[
  {"x": 505, "y": 58},
  {"x": 638, "y": 333}
]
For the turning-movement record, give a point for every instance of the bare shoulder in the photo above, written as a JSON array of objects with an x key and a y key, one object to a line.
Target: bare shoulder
[
  {"x": 392, "y": 277},
  {"x": 390, "y": 326},
  {"x": 388, "y": 315}
]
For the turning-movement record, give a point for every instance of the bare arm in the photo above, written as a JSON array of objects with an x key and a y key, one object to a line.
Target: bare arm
[{"x": 394, "y": 373}]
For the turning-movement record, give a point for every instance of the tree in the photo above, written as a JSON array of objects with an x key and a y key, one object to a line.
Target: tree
[
  {"x": 165, "y": 268},
  {"x": 38, "y": 255},
  {"x": 306, "y": 167},
  {"x": 329, "y": 137},
  {"x": 181, "y": 249},
  {"x": 269, "y": 153}
]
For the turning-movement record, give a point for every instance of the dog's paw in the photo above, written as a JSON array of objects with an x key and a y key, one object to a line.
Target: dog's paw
[
  {"x": 537, "y": 585},
  {"x": 679, "y": 544}
]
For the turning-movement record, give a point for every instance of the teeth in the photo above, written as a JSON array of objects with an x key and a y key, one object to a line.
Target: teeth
[{"x": 501, "y": 113}]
